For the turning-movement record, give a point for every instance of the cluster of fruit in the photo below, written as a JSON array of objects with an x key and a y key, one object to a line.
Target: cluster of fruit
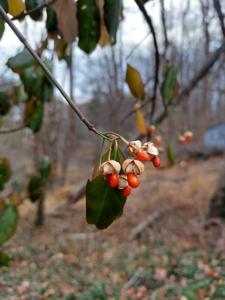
[
  {"x": 185, "y": 138},
  {"x": 125, "y": 177}
]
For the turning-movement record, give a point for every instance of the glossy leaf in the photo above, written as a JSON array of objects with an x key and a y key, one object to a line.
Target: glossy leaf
[
  {"x": 8, "y": 222},
  {"x": 105, "y": 38},
  {"x": 36, "y": 118},
  {"x": 4, "y": 104},
  {"x": 32, "y": 79},
  {"x": 51, "y": 22},
  {"x": 47, "y": 90},
  {"x": 66, "y": 18},
  {"x": 135, "y": 83},
  {"x": 16, "y": 7},
  {"x": 33, "y": 115},
  {"x": 89, "y": 25},
  {"x": 1, "y": 182},
  {"x": 20, "y": 61},
  {"x": 4, "y": 259},
  {"x": 31, "y": 4},
  {"x": 103, "y": 204},
  {"x": 112, "y": 9},
  {"x": 169, "y": 87},
  {"x": 20, "y": 95},
  {"x": 35, "y": 188},
  {"x": 140, "y": 121},
  {"x": 5, "y": 169},
  {"x": 45, "y": 169},
  {"x": 170, "y": 154}
]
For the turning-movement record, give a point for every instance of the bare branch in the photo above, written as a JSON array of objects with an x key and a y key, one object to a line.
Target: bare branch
[
  {"x": 163, "y": 18},
  {"x": 220, "y": 14},
  {"x": 203, "y": 71},
  {"x": 48, "y": 74},
  {"x": 157, "y": 55},
  {"x": 7, "y": 131}
]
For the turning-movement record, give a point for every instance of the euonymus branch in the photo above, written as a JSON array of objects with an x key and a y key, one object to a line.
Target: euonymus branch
[{"x": 50, "y": 77}]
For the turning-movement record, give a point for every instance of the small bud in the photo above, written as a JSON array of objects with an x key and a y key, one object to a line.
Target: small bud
[
  {"x": 109, "y": 167},
  {"x": 122, "y": 182},
  {"x": 151, "y": 149},
  {"x": 133, "y": 166},
  {"x": 134, "y": 146}
]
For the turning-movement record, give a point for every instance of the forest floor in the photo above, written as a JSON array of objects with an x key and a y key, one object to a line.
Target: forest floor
[{"x": 175, "y": 258}]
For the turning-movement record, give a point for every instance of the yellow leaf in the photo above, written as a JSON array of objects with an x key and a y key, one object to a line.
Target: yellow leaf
[
  {"x": 16, "y": 7},
  {"x": 135, "y": 83},
  {"x": 140, "y": 121},
  {"x": 105, "y": 38}
]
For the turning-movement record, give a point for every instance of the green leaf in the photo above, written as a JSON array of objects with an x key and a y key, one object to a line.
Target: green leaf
[
  {"x": 20, "y": 94},
  {"x": 103, "y": 204},
  {"x": 31, "y": 4},
  {"x": 35, "y": 188},
  {"x": 36, "y": 118},
  {"x": 89, "y": 25},
  {"x": 4, "y": 104},
  {"x": 33, "y": 115},
  {"x": 1, "y": 182},
  {"x": 5, "y": 169},
  {"x": 21, "y": 61},
  {"x": 51, "y": 21},
  {"x": 4, "y": 4},
  {"x": 45, "y": 169},
  {"x": 168, "y": 87},
  {"x": 47, "y": 90},
  {"x": 170, "y": 154},
  {"x": 2, "y": 27},
  {"x": 33, "y": 79},
  {"x": 4, "y": 259},
  {"x": 112, "y": 9},
  {"x": 8, "y": 222}
]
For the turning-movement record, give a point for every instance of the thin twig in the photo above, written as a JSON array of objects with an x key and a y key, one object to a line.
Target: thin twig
[
  {"x": 163, "y": 19},
  {"x": 157, "y": 55},
  {"x": 7, "y": 131},
  {"x": 206, "y": 67},
  {"x": 35, "y": 9},
  {"x": 48, "y": 74},
  {"x": 136, "y": 46},
  {"x": 218, "y": 8}
]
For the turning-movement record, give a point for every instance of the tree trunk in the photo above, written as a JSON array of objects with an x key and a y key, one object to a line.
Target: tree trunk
[
  {"x": 40, "y": 212},
  {"x": 217, "y": 205}
]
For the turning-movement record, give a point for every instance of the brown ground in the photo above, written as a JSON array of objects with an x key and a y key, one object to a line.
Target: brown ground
[{"x": 175, "y": 258}]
